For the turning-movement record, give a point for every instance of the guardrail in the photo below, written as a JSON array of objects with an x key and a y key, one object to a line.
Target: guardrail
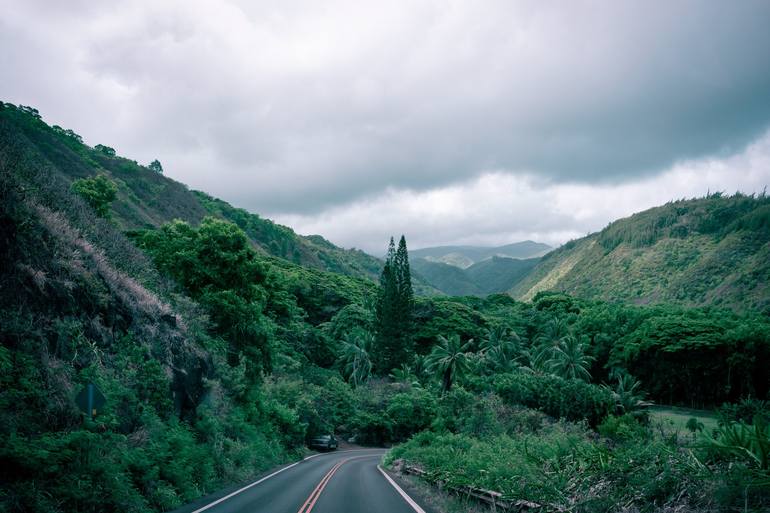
[{"x": 493, "y": 499}]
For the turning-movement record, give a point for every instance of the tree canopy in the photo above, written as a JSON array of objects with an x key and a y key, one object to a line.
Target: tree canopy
[
  {"x": 99, "y": 192},
  {"x": 156, "y": 166}
]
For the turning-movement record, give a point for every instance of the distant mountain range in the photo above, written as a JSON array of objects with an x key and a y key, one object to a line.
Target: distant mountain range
[
  {"x": 490, "y": 276},
  {"x": 465, "y": 256},
  {"x": 476, "y": 270}
]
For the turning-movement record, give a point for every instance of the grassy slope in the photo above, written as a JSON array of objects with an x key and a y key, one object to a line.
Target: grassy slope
[{"x": 706, "y": 251}]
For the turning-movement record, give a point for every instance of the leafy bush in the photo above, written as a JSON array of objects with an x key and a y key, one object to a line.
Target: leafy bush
[
  {"x": 624, "y": 427},
  {"x": 463, "y": 412},
  {"x": 410, "y": 413},
  {"x": 571, "y": 399},
  {"x": 372, "y": 428},
  {"x": 744, "y": 411},
  {"x": 559, "y": 468},
  {"x": 391, "y": 413},
  {"x": 629, "y": 397},
  {"x": 694, "y": 425},
  {"x": 320, "y": 408},
  {"x": 99, "y": 192}
]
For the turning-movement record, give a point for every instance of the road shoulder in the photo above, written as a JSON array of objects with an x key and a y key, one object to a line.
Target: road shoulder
[{"x": 419, "y": 492}]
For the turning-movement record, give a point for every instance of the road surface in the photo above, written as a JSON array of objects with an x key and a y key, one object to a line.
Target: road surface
[{"x": 336, "y": 482}]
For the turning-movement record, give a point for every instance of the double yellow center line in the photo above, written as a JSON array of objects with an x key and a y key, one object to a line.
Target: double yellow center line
[{"x": 313, "y": 497}]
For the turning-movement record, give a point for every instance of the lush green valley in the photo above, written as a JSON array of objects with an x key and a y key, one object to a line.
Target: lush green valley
[
  {"x": 449, "y": 279},
  {"x": 224, "y": 342},
  {"x": 490, "y": 276}
]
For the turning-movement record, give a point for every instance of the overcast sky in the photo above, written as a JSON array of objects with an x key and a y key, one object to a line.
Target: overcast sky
[{"x": 476, "y": 122}]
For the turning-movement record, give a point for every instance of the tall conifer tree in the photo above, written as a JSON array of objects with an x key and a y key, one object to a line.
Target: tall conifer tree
[
  {"x": 405, "y": 292},
  {"x": 394, "y": 310}
]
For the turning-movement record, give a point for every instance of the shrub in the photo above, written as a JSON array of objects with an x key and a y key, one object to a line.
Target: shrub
[
  {"x": 624, "y": 427},
  {"x": 694, "y": 425},
  {"x": 744, "y": 411},
  {"x": 524, "y": 420},
  {"x": 287, "y": 424},
  {"x": 571, "y": 399},
  {"x": 410, "y": 413},
  {"x": 453, "y": 406},
  {"x": 371, "y": 428},
  {"x": 565, "y": 468},
  {"x": 99, "y": 192}
]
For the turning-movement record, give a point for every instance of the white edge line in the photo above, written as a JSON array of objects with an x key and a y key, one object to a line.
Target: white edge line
[
  {"x": 408, "y": 499},
  {"x": 236, "y": 492}
]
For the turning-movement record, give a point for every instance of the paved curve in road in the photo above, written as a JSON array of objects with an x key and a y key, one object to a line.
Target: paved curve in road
[{"x": 337, "y": 482}]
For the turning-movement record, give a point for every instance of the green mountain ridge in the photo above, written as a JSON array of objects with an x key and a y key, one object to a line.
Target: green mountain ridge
[
  {"x": 465, "y": 256},
  {"x": 489, "y": 276},
  {"x": 449, "y": 279},
  {"x": 697, "y": 252},
  {"x": 499, "y": 274}
]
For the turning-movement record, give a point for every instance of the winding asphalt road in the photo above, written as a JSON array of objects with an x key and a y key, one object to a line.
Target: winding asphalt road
[{"x": 337, "y": 482}]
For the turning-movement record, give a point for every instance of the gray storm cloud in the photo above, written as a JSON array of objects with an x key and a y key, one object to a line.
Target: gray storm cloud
[{"x": 301, "y": 107}]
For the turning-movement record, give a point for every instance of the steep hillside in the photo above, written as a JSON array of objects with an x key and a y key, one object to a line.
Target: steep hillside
[
  {"x": 79, "y": 303},
  {"x": 466, "y": 256},
  {"x": 489, "y": 276},
  {"x": 147, "y": 199},
  {"x": 706, "y": 251}
]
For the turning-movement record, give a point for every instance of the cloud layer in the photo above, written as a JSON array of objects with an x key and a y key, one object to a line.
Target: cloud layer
[
  {"x": 304, "y": 110},
  {"x": 498, "y": 208}
]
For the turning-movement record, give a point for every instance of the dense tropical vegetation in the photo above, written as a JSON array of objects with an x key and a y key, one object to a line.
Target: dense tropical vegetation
[{"x": 222, "y": 347}]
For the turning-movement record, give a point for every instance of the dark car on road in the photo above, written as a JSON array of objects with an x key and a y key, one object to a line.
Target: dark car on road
[{"x": 324, "y": 443}]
